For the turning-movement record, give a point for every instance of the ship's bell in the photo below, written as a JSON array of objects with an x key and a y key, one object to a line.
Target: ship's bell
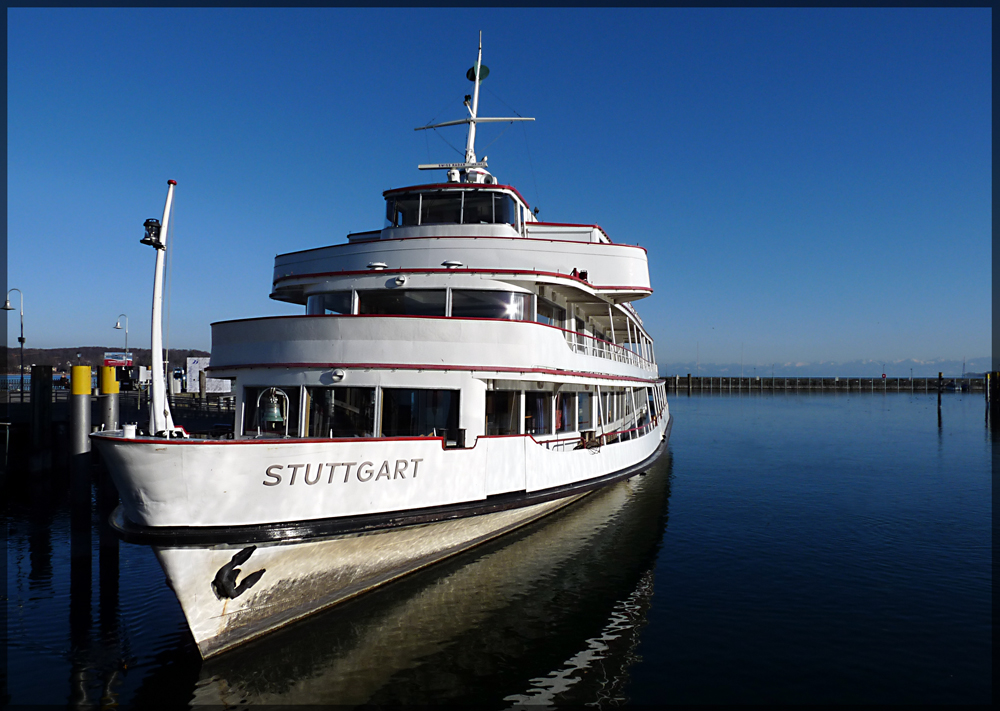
[{"x": 272, "y": 413}]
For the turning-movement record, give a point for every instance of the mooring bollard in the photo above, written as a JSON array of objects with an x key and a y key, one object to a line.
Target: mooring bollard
[
  {"x": 79, "y": 411},
  {"x": 109, "y": 398}
]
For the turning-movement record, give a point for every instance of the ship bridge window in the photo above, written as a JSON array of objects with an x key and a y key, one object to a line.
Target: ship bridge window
[
  {"x": 402, "y": 211},
  {"x": 418, "y": 413},
  {"x": 402, "y": 302},
  {"x": 441, "y": 209},
  {"x": 336, "y": 302},
  {"x": 489, "y": 208},
  {"x": 339, "y": 412},
  {"x": 483, "y": 303},
  {"x": 450, "y": 208}
]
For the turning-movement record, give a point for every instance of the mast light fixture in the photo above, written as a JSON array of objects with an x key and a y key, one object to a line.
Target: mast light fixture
[{"x": 152, "y": 237}]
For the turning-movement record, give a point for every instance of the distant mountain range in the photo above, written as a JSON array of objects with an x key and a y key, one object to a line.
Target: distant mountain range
[
  {"x": 63, "y": 358},
  {"x": 854, "y": 368}
]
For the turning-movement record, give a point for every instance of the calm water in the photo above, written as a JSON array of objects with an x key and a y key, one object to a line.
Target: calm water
[{"x": 803, "y": 548}]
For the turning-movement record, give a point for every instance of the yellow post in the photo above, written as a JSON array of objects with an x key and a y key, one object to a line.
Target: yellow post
[
  {"x": 80, "y": 378},
  {"x": 79, "y": 414},
  {"x": 109, "y": 385}
]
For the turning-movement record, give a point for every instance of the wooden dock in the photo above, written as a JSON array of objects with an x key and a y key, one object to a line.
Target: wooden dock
[{"x": 723, "y": 384}]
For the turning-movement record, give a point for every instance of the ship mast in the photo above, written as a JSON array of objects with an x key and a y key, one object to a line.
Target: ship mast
[
  {"x": 161, "y": 422},
  {"x": 471, "y": 170},
  {"x": 470, "y": 144}
]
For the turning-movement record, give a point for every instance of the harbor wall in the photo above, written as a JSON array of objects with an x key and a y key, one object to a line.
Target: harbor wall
[{"x": 705, "y": 383}]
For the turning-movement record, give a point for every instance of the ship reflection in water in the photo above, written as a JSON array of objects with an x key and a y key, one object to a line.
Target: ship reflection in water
[{"x": 550, "y": 614}]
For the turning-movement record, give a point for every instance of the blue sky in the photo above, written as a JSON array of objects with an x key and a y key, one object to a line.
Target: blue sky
[{"x": 812, "y": 185}]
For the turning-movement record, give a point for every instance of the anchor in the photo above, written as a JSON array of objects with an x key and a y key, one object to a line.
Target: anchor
[{"x": 225, "y": 585}]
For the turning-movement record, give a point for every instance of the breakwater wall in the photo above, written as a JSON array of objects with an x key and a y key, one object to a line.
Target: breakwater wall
[{"x": 707, "y": 383}]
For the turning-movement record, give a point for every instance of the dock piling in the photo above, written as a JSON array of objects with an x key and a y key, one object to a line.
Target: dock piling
[
  {"x": 109, "y": 399},
  {"x": 40, "y": 458},
  {"x": 79, "y": 412}
]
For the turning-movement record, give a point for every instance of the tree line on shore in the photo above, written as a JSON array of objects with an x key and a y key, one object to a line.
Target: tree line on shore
[{"x": 62, "y": 358}]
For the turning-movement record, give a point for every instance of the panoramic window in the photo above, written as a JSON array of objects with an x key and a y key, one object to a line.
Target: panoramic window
[
  {"x": 402, "y": 302},
  {"x": 537, "y": 413},
  {"x": 267, "y": 412},
  {"x": 402, "y": 211},
  {"x": 549, "y": 313},
  {"x": 336, "y": 302},
  {"x": 449, "y": 208},
  {"x": 416, "y": 413},
  {"x": 443, "y": 209},
  {"x": 469, "y": 303},
  {"x": 489, "y": 208},
  {"x": 503, "y": 412},
  {"x": 340, "y": 412}
]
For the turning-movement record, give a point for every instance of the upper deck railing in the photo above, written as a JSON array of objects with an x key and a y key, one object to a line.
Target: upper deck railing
[{"x": 599, "y": 348}]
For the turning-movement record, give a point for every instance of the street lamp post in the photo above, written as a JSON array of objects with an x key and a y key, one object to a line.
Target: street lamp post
[
  {"x": 8, "y": 307},
  {"x": 118, "y": 325}
]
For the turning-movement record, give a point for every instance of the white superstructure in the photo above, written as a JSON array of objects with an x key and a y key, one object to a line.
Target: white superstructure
[{"x": 459, "y": 373}]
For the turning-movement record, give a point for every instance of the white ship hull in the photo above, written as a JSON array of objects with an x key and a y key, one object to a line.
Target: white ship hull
[
  {"x": 212, "y": 505},
  {"x": 302, "y": 578}
]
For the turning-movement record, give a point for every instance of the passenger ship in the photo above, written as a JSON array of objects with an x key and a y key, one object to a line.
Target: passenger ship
[{"x": 460, "y": 373}]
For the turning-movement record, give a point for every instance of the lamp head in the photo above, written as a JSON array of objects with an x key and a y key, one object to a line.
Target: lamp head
[
  {"x": 118, "y": 324},
  {"x": 152, "y": 237},
  {"x": 7, "y": 306}
]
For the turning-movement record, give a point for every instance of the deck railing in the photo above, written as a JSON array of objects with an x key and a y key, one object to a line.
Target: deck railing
[
  {"x": 601, "y": 437},
  {"x": 599, "y": 348}
]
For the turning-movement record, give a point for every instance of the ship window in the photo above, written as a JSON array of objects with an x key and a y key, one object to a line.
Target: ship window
[
  {"x": 340, "y": 412},
  {"x": 441, "y": 209},
  {"x": 564, "y": 412},
  {"x": 489, "y": 208},
  {"x": 278, "y": 419},
  {"x": 537, "y": 413},
  {"x": 402, "y": 302},
  {"x": 417, "y": 413},
  {"x": 550, "y": 314},
  {"x": 482, "y": 303},
  {"x": 583, "y": 409},
  {"x": 504, "y": 209},
  {"x": 337, "y": 302},
  {"x": 502, "y": 412},
  {"x": 402, "y": 211}
]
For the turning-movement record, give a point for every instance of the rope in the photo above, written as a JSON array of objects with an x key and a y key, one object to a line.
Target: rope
[
  {"x": 501, "y": 100},
  {"x": 461, "y": 153},
  {"x": 531, "y": 165},
  {"x": 498, "y": 136},
  {"x": 527, "y": 148}
]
